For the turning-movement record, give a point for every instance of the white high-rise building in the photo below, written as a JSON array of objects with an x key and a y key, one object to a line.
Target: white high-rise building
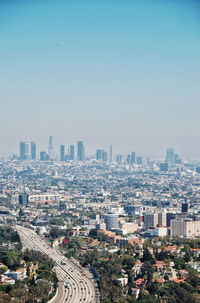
[
  {"x": 185, "y": 228},
  {"x": 162, "y": 219},
  {"x": 51, "y": 150}
]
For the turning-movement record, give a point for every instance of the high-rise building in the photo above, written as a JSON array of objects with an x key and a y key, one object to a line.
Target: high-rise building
[
  {"x": 111, "y": 154},
  {"x": 170, "y": 156},
  {"x": 170, "y": 216},
  {"x": 26, "y": 150},
  {"x": 128, "y": 159},
  {"x": 22, "y": 153},
  {"x": 185, "y": 228},
  {"x": 119, "y": 159},
  {"x": 133, "y": 157},
  {"x": 99, "y": 154},
  {"x": 177, "y": 160},
  {"x": 104, "y": 156},
  {"x": 162, "y": 219},
  {"x": 71, "y": 152},
  {"x": 112, "y": 221},
  {"x": 139, "y": 160},
  {"x": 44, "y": 156},
  {"x": 80, "y": 151},
  {"x": 62, "y": 153},
  {"x": 33, "y": 150},
  {"x": 23, "y": 200},
  {"x": 150, "y": 220},
  {"x": 51, "y": 150},
  {"x": 23, "y": 150}
]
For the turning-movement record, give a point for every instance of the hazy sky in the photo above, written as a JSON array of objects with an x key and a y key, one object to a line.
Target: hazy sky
[{"x": 119, "y": 72}]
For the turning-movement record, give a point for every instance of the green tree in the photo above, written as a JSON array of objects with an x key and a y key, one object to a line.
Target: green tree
[
  {"x": 93, "y": 233},
  {"x": 3, "y": 269},
  {"x": 54, "y": 232},
  {"x": 193, "y": 278},
  {"x": 174, "y": 292},
  {"x": 19, "y": 293},
  {"x": 179, "y": 263},
  {"x": 147, "y": 255},
  {"x": 147, "y": 269}
]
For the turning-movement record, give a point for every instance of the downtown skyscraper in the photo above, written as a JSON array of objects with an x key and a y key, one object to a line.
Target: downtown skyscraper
[
  {"x": 33, "y": 150},
  {"x": 51, "y": 149},
  {"x": 80, "y": 151},
  {"x": 23, "y": 150},
  {"x": 62, "y": 153},
  {"x": 111, "y": 154},
  {"x": 71, "y": 152}
]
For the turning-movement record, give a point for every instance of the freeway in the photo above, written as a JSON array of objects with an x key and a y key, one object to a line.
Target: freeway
[{"x": 81, "y": 286}]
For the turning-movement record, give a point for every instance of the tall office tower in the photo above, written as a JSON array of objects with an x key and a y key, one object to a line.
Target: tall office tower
[
  {"x": 44, "y": 156},
  {"x": 62, "y": 153},
  {"x": 170, "y": 156},
  {"x": 26, "y": 150},
  {"x": 104, "y": 156},
  {"x": 112, "y": 221},
  {"x": 23, "y": 199},
  {"x": 80, "y": 151},
  {"x": 133, "y": 157},
  {"x": 139, "y": 160},
  {"x": 99, "y": 153},
  {"x": 150, "y": 220},
  {"x": 111, "y": 154},
  {"x": 170, "y": 216},
  {"x": 176, "y": 157},
  {"x": 162, "y": 218},
  {"x": 22, "y": 151},
  {"x": 128, "y": 159},
  {"x": 71, "y": 152},
  {"x": 51, "y": 150},
  {"x": 119, "y": 159},
  {"x": 33, "y": 150},
  {"x": 177, "y": 160}
]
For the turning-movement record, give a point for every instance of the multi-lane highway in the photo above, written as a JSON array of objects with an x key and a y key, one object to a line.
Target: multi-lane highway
[{"x": 81, "y": 287}]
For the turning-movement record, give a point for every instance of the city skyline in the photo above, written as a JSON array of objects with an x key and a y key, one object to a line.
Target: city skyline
[
  {"x": 31, "y": 150},
  {"x": 75, "y": 71},
  {"x": 91, "y": 149},
  {"x": 79, "y": 153}
]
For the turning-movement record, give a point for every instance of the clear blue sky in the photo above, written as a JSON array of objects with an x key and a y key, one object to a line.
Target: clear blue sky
[{"x": 120, "y": 72}]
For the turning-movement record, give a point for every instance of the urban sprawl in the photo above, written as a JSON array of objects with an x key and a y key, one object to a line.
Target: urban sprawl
[{"x": 109, "y": 229}]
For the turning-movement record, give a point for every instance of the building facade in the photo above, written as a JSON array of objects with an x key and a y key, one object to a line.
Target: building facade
[
  {"x": 185, "y": 228},
  {"x": 112, "y": 221}
]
